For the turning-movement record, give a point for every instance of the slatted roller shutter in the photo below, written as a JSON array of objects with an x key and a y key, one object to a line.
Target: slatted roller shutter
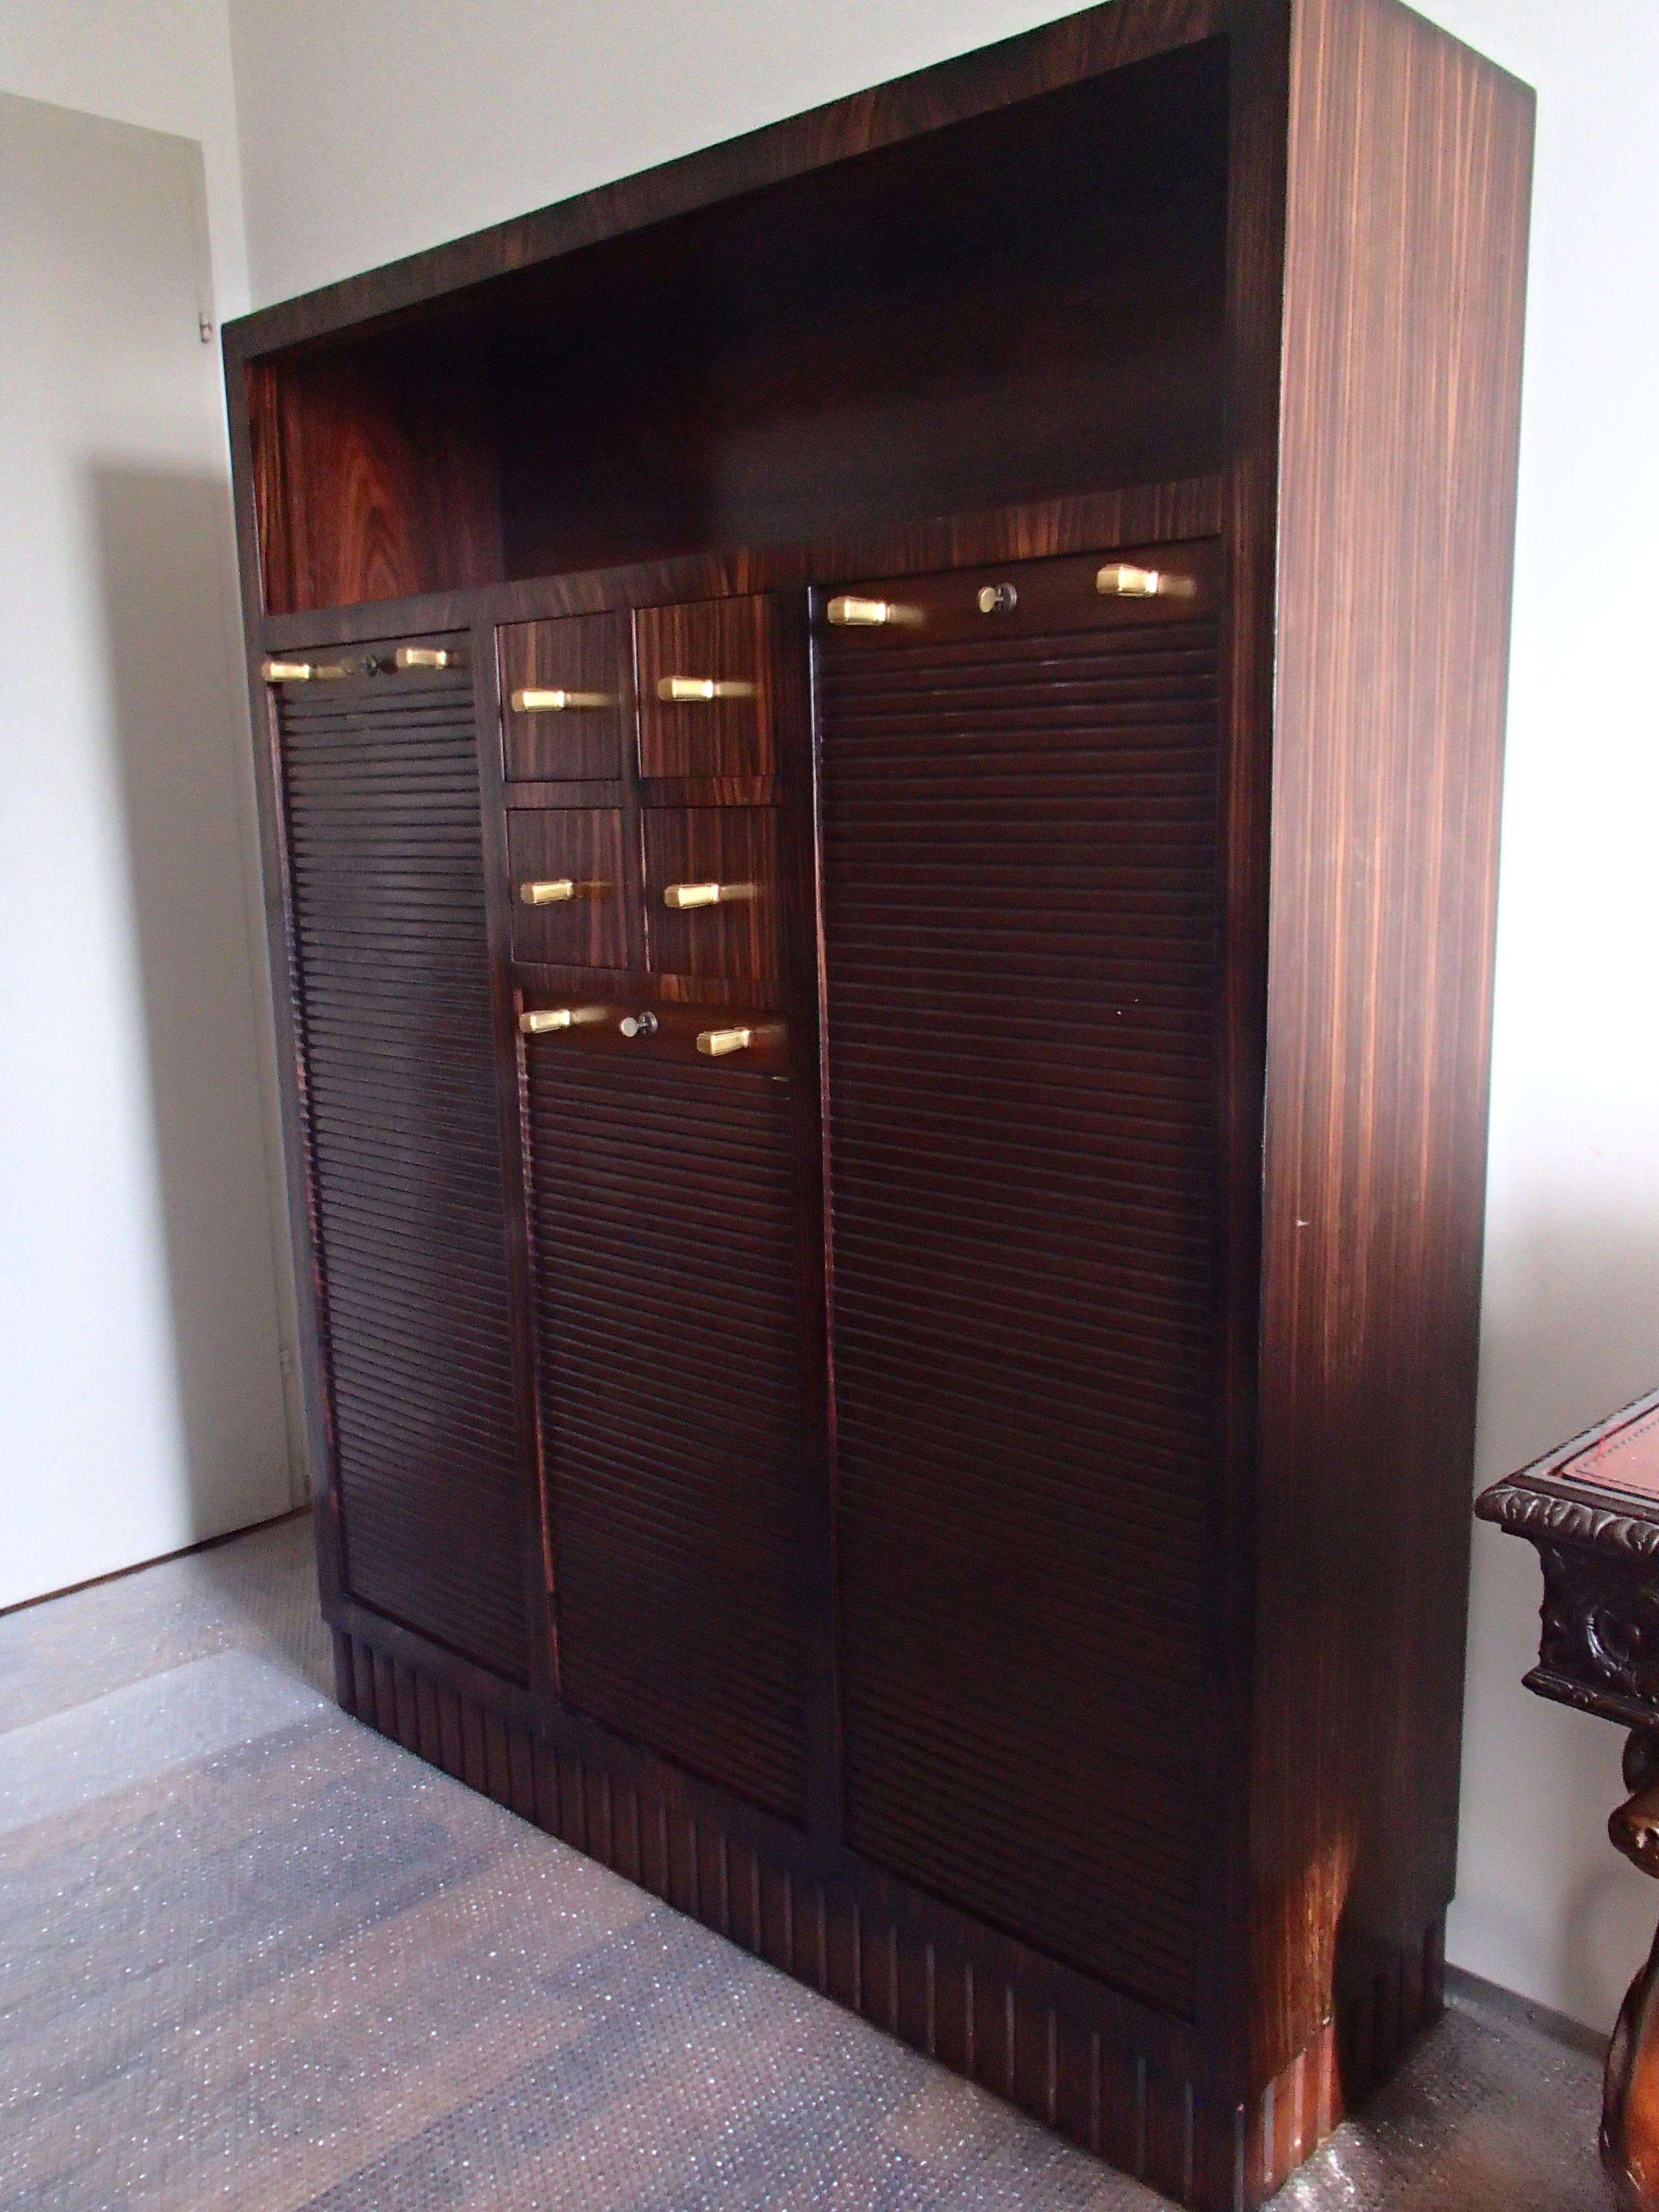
[
  {"x": 669, "y": 1317},
  {"x": 388, "y": 947},
  {"x": 1020, "y": 924}
]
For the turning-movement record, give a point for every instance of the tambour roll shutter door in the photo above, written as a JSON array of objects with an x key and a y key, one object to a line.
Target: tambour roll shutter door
[
  {"x": 1020, "y": 937},
  {"x": 388, "y": 946},
  {"x": 669, "y": 1319}
]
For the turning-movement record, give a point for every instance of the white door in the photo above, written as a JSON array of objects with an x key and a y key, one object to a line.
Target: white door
[{"x": 141, "y": 1389}]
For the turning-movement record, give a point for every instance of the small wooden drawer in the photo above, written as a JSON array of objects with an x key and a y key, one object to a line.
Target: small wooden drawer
[
  {"x": 734, "y": 1039},
  {"x": 706, "y": 688},
  {"x": 568, "y": 886},
  {"x": 564, "y": 699},
  {"x": 712, "y": 890}
]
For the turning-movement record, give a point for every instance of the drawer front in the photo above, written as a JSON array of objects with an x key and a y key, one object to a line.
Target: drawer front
[
  {"x": 564, "y": 699},
  {"x": 567, "y": 872},
  {"x": 726, "y": 645},
  {"x": 736, "y": 1039},
  {"x": 712, "y": 891}
]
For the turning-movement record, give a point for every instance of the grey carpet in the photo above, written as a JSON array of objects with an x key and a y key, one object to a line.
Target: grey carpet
[{"x": 253, "y": 1955}]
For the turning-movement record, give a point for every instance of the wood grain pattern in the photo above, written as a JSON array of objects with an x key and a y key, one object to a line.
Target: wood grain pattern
[
  {"x": 738, "y": 942},
  {"x": 1079, "y": 302},
  {"x": 729, "y": 641},
  {"x": 1402, "y": 343},
  {"x": 1138, "y": 515},
  {"x": 1064, "y": 255},
  {"x": 584, "y": 846},
  {"x": 390, "y": 964},
  {"x": 1019, "y": 829},
  {"x": 585, "y": 653},
  {"x": 369, "y": 486}
]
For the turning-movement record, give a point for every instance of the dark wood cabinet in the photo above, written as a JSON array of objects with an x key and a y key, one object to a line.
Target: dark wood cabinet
[{"x": 884, "y": 912}]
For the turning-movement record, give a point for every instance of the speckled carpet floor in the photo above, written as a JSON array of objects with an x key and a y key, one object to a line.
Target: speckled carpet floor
[{"x": 253, "y": 1955}]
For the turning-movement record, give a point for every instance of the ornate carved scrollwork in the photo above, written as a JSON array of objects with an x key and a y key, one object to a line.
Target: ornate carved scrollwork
[
  {"x": 1600, "y": 1622},
  {"x": 1541, "y": 1515}
]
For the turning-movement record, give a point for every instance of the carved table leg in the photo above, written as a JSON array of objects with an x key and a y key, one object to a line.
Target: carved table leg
[{"x": 1630, "y": 2105}]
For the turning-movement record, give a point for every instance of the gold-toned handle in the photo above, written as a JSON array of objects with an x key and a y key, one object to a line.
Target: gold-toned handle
[
  {"x": 542, "y": 1021},
  {"x": 687, "y": 690},
  {"x": 303, "y": 672},
  {"x": 1123, "y": 580},
  {"x": 558, "y": 890},
  {"x": 718, "y": 1042},
  {"x": 684, "y": 897},
  {"x": 427, "y": 656},
  {"x": 872, "y": 614},
  {"x": 560, "y": 702}
]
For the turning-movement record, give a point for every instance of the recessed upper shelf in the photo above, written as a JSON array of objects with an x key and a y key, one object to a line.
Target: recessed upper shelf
[{"x": 1020, "y": 306}]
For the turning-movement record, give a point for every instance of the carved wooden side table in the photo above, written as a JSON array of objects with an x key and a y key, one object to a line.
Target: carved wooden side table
[{"x": 1592, "y": 1509}]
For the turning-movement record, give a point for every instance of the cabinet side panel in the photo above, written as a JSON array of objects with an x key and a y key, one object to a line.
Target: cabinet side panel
[{"x": 1408, "y": 193}]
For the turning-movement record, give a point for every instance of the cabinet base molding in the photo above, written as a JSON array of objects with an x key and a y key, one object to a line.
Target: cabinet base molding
[{"x": 1033, "y": 2034}]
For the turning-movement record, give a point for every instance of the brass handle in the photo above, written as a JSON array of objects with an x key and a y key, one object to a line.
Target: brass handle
[
  {"x": 870, "y": 614},
  {"x": 427, "y": 656},
  {"x": 303, "y": 672},
  {"x": 540, "y": 1020},
  {"x": 718, "y": 1042},
  {"x": 1123, "y": 580},
  {"x": 684, "y": 897},
  {"x": 686, "y": 690},
  {"x": 559, "y": 702},
  {"x": 561, "y": 889}
]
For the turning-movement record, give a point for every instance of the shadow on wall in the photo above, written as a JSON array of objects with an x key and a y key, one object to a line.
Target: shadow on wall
[{"x": 161, "y": 541}]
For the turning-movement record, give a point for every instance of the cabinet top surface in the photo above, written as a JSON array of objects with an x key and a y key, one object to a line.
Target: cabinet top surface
[{"x": 1601, "y": 1486}]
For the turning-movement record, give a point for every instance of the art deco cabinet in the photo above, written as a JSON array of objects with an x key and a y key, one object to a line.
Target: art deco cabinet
[{"x": 880, "y": 756}]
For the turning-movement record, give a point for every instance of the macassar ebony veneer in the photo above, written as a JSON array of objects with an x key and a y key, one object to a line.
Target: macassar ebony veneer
[{"x": 880, "y": 754}]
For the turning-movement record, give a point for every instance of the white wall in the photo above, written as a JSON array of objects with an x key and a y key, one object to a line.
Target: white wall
[
  {"x": 165, "y": 65},
  {"x": 141, "y": 1338},
  {"x": 1572, "y": 1314},
  {"x": 429, "y": 121},
  {"x": 373, "y": 128}
]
